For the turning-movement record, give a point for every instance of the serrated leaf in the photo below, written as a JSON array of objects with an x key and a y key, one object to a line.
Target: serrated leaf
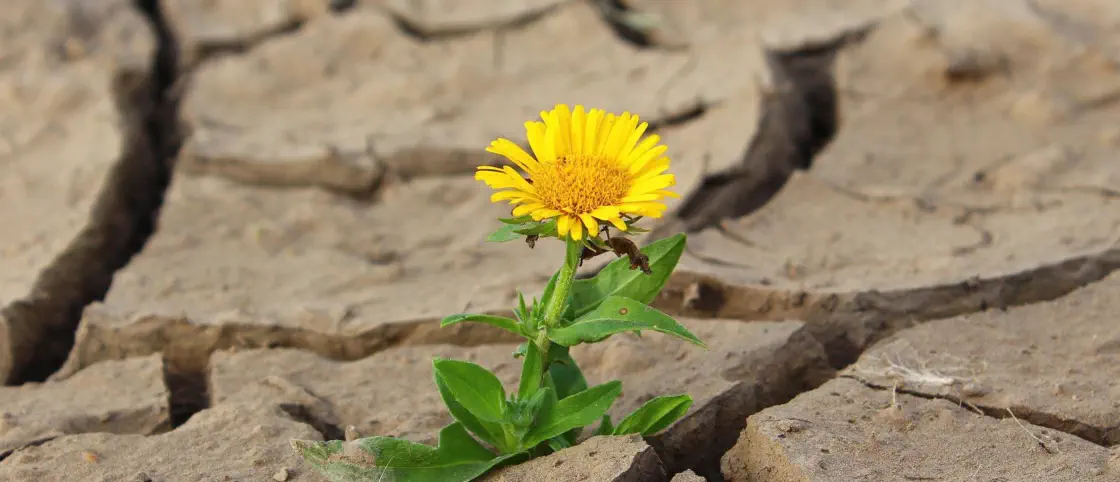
[
  {"x": 654, "y": 415},
  {"x": 508, "y": 324},
  {"x": 576, "y": 411},
  {"x": 618, "y": 279},
  {"x": 457, "y": 458},
  {"x": 473, "y": 386},
  {"x": 617, "y": 314}
]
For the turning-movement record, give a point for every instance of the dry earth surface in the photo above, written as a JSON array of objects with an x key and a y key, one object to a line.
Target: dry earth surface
[{"x": 231, "y": 223}]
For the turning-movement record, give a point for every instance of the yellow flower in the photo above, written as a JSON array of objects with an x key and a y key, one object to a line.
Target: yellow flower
[{"x": 589, "y": 167}]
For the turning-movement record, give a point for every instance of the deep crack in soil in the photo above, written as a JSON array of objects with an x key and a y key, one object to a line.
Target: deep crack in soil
[
  {"x": 799, "y": 118},
  {"x": 121, "y": 220}
]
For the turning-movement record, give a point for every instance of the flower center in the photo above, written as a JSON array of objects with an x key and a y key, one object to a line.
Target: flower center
[{"x": 578, "y": 184}]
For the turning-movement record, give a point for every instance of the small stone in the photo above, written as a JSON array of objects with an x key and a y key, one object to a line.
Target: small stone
[
  {"x": 281, "y": 475},
  {"x": 792, "y": 426}
]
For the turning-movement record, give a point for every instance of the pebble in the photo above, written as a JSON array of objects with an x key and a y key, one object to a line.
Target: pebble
[{"x": 281, "y": 475}]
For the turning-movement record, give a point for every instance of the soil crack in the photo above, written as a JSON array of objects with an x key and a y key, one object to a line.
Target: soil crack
[
  {"x": 121, "y": 219},
  {"x": 416, "y": 30}
]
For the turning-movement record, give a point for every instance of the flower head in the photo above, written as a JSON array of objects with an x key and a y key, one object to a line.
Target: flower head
[{"x": 588, "y": 168}]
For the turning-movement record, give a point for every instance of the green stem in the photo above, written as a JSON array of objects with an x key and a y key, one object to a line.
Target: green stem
[{"x": 555, "y": 307}]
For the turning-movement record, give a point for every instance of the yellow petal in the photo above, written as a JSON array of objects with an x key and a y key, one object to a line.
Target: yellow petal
[
  {"x": 535, "y": 132},
  {"x": 515, "y": 195},
  {"x": 563, "y": 130},
  {"x": 650, "y": 155},
  {"x": 519, "y": 182},
  {"x": 617, "y": 222},
  {"x": 671, "y": 194},
  {"x": 650, "y": 209},
  {"x": 592, "y": 225},
  {"x": 654, "y": 168},
  {"x": 545, "y": 213},
  {"x": 653, "y": 184},
  {"x": 604, "y": 131},
  {"x": 641, "y": 149},
  {"x": 563, "y": 223},
  {"x": 513, "y": 152},
  {"x": 552, "y": 135},
  {"x": 637, "y": 198},
  {"x": 591, "y": 131},
  {"x": 577, "y": 229},
  {"x": 605, "y": 212},
  {"x": 502, "y": 180},
  {"x": 635, "y": 135},
  {"x": 619, "y": 133},
  {"x": 579, "y": 119},
  {"x": 526, "y": 209}
]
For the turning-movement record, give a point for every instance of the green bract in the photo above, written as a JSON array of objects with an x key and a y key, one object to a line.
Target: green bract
[{"x": 552, "y": 403}]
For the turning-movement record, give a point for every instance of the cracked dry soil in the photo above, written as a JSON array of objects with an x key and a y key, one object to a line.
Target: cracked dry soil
[{"x": 232, "y": 223}]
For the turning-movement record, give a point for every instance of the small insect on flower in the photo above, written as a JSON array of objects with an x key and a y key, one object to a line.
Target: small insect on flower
[{"x": 588, "y": 167}]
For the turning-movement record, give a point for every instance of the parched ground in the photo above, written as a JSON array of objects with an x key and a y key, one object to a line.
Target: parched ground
[{"x": 230, "y": 223}]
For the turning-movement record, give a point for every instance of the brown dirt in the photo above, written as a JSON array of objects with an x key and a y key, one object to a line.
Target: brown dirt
[
  {"x": 847, "y": 431},
  {"x": 609, "y": 459},
  {"x": 897, "y": 176}
]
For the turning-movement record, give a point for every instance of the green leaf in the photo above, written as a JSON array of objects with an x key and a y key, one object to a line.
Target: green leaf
[
  {"x": 559, "y": 443},
  {"x": 532, "y": 369},
  {"x": 478, "y": 390},
  {"x": 508, "y": 324},
  {"x": 567, "y": 378},
  {"x": 457, "y": 458},
  {"x": 522, "y": 413},
  {"x": 488, "y": 431},
  {"x": 522, "y": 310},
  {"x": 605, "y": 427},
  {"x": 543, "y": 229},
  {"x": 504, "y": 233},
  {"x": 517, "y": 220},
  {"x": 654, "y": 415},
  {"x": 618, "y": 279},
  {"x": 617, "y": 314},
  {"x": 576, "y": 411},
  {"x": 546, "y": 295}
]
